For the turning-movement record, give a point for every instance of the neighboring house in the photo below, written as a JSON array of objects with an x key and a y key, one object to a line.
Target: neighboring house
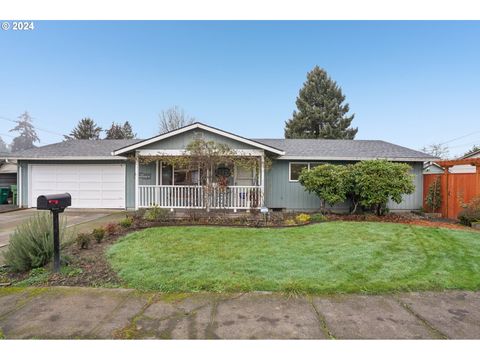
[
  {"x": 8, "y": 171},
  {"x": 466, "y": 169},
  {"x": 110, "y": 173},
  {"x": 434, "y": 168},
  {"x": 472, "y": 155}
]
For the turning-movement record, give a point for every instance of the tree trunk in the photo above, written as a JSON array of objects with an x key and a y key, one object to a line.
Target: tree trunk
[{"x": 355, "y": 205}]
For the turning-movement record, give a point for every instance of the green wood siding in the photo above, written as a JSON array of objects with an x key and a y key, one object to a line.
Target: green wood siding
[
  {"x": 180, "y": 141},
  {"x": 413, "y": 201},
  {"x": 282, "y": 193},
  {"x": 130, "y": 185}
]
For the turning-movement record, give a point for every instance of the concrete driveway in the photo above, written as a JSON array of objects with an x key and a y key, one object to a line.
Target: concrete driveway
[{"x": 95, "y": 217}]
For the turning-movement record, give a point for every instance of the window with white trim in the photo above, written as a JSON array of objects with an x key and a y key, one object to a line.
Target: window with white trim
[{"x": 295, "y": 168}]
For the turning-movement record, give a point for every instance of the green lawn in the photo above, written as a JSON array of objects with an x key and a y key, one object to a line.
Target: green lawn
[{"x": 332, "y": 257}]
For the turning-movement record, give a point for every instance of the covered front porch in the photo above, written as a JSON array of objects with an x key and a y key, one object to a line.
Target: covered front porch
[
  {"x": 223, "y": 186},
  {"x": 198, "y": 167}
]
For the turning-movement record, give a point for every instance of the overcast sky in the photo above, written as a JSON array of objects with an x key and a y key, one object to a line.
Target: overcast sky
[{"x": 410, "y": 83}]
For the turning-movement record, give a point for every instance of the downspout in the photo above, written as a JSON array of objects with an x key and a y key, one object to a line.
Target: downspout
[
  {"x": 19, "y": 185},
  {"x": 262, "y": 195},
  {"x": 137, "y": 190}
]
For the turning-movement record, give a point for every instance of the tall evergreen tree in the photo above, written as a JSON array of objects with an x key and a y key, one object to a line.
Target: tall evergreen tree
[
  {"x": 86, "y": 129},
  {"x": 118, "y": 131},
  {"x": 115, "y": 132},
  {"x": 128, "y": 131},
  {"x": 321, "y": 111},
  {"x": 27, "y": 135}
]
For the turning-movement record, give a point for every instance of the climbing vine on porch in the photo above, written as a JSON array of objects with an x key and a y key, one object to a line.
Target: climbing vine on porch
[{"x": 203, "y": 155}]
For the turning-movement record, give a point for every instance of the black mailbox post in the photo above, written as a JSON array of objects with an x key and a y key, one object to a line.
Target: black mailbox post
[{"x": 56, "y": 203}]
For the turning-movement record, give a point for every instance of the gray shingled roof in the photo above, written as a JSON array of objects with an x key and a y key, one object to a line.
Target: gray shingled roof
[
  {"x": 75, "y": 148},
  {"x": 294, "y": 148},
  {"x": 343, "y": 149}
]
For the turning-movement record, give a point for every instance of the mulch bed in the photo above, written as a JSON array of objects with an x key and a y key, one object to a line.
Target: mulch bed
[
  {"x": 96, "y": 271},
  {"x": 410, "y": 219}
]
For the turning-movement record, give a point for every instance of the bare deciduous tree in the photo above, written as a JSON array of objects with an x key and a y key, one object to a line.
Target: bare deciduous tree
[
  {"x": 174, "y": 118},
  {"x": 438, "y": 150}
]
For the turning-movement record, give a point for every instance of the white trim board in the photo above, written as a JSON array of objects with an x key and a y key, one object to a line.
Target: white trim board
[
  {"x": 66, "y": 158},
  {"x": 168, "y": 152}
]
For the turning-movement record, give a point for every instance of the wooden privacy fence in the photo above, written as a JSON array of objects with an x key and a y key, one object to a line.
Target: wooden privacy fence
[{"x": 456, "y": 189}]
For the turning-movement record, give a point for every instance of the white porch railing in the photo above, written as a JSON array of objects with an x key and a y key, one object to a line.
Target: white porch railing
[{"x": 195, "y": 197}]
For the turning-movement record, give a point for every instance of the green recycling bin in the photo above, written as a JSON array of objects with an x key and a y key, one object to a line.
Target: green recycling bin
[
  {"x": 13, "y": 188},
  {"x": 4, "y": 195}
]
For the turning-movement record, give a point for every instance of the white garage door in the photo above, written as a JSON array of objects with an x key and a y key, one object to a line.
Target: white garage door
[{"x": 91, "y": 186}]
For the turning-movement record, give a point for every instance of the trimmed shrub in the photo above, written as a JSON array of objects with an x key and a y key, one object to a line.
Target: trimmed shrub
[
  {"x": 84, "y": 240},
  {"x": 370, "y": 183},
  {"x": 375, "y": 182},
  {"x": 98, "y": 234},
  {"x": 289, "y": 222},
  {"x": 156, "y": 214},
  {"x": 111, "y": 228},
  {"x": 318, "y": 218},
  {"x": 139, "y": 214},
  {"x": 31, "y": 245},
  {"x": 126, "y": 223},
  {"x": 329, "y": 182},
  {"x": 471, "y": 212},
  {"x": 302, "y": 218}
]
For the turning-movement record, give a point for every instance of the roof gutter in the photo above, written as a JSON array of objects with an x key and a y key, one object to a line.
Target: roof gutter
[
  {"x": 354, "y": 158},
  {"x": 77, "y": 158}
]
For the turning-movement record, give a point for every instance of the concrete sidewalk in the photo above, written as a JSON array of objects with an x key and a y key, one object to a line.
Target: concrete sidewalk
[{"x": 61, "y": 312}]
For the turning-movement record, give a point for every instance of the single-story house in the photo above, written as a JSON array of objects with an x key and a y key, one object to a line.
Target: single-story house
[{"x": 111, "y": 174}]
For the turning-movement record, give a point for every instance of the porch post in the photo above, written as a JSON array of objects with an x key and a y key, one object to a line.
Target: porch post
[
  {"x": 207, "y": 196},
  {"x": 137, "y": 192},
  {"x": 262, "y": 189}
]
